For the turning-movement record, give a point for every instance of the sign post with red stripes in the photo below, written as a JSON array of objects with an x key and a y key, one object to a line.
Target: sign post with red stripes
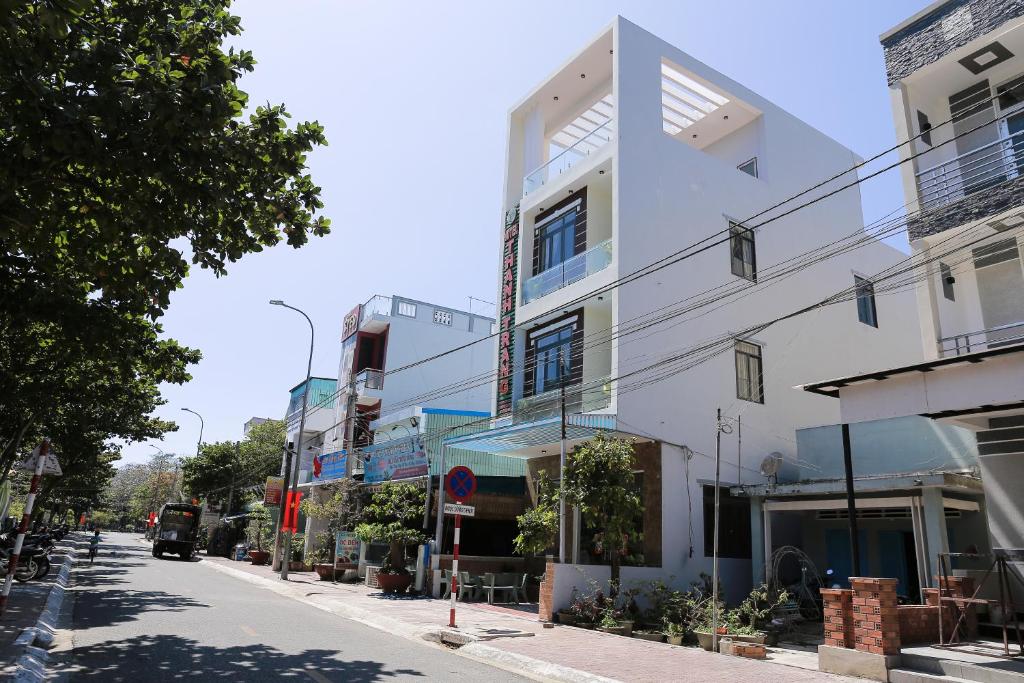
[
  {"x": 460, "y": 484},
  {"x": 12, "y": 564}
]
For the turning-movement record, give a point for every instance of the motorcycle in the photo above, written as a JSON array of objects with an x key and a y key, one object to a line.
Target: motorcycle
[{"x": 27, "y": 567}]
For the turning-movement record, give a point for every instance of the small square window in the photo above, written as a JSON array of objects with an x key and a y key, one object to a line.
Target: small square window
[
  {"x": 743, "y": 254},
  {"x": 749, "y": 167},
  {"x": 946, "y": 275},
  {"x": 925, "y": 127},
  {"x": 866, "y": 311},
  {"x": 442, "y": 317},
  {"x": 749, "y": 380},
  {"x": 407, "y": 309}
]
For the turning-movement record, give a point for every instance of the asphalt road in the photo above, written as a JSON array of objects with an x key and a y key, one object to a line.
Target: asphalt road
[{"x": 137, "y": 618}]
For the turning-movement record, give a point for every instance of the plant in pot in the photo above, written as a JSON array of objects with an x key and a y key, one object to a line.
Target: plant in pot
[
  {"x": 674, "y": 633},
  {"x": 259, "y": 534},
  {"x": 754, "y": 614},
  {"x": 611, "y": 623},
  {"x": 703, "y": 619},
  {"x": 322, "y": 555},
  {"x": 298, "y": 549},
  {"x": 391, "y": 517}
]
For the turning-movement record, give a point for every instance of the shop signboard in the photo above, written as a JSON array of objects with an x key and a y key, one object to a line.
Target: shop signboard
[
  {"x": 330, "y": 466},
  {"x": 346, "y": 549},
  {"x": 507, "y": 311},
  {"x": 393, "y": 460},
  {"x": 275, "y": 487}
]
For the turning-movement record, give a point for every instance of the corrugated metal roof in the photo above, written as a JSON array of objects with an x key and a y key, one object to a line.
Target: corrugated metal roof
[{"x": 482, "y": 464}]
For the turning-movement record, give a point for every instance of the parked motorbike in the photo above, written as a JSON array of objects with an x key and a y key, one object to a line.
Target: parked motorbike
[{"x": 27, "y": 567}]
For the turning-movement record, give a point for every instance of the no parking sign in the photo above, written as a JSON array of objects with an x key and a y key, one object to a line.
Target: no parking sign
[{"x": 460, "y": 483}]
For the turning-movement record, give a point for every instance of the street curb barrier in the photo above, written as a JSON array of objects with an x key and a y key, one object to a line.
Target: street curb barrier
[
  {"x": 31, "y": 665},
  {"x": 507, "y": 661}
]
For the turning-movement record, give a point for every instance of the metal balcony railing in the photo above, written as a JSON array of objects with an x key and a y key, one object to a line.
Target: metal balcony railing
[
  {"x": 569, "y": 157},
  {"x": 994, "y": 337},
  {"x": 594, "y": 394},
  {"x": 972, "y": 171},
  {"x": 377, "y": 305},
  {"x": 578, "y": 267},
  {"x": 369, "y": 378}
]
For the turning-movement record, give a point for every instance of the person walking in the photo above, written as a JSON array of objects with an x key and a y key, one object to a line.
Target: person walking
[{"x": 94, "y": 545}]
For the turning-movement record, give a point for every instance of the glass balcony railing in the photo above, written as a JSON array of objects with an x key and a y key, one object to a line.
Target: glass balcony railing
[
  {"x": 370, "y": 379},
  {"x": 378, "y": 305},
  {"x": 569, "y": 157},
  {"x": 578, "y": 267},
  {"x": 594, "y": 394}
]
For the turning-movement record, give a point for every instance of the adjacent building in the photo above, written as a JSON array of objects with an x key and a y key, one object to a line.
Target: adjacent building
[
  {"x": 631, "y": 155},
  {"x": 956, "y": 78}
]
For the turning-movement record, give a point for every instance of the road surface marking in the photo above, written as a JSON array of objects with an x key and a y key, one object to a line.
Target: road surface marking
[
  {"x": 248, "y": 630},
  {"x": 317, "y": 676}
]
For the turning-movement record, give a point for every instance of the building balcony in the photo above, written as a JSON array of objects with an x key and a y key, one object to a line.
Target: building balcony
[
  {"x": 588, "y": 143},
  {"x": 593, "y": 260},
  {"x": 374, "y": 313},
  {"x": 972, "y": 172},
  {"x": 982, "y": 340},
  {"x": 369, "y": 385},
  {"x": 590, "y": 396}
]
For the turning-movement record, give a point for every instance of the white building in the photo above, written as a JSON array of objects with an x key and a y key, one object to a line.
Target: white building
[
  {"x": 629, "y": 153},
  {"x": 956, "y": 78}
]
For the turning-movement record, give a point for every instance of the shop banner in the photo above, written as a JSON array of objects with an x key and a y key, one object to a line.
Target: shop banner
[
  {"x": 330, "y": 466},
  {"x": 393, "y": 460},
  {"x": 275, "y": 487},
  {"x": 346, "y": 549}
]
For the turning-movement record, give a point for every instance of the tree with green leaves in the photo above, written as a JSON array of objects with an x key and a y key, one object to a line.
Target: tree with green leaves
[
  {"x": 599, "y": 481},
  {"x": 538, "y": 526},
  {"x": 130, "y": 153},
  {"x": 392, "y": 517}
]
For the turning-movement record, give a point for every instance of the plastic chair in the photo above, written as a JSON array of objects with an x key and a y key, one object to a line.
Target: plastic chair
[
  {"x": 446, "y": 584},
  {"x": 519, "y": 590},
  {"x": 467, "y": 587}
]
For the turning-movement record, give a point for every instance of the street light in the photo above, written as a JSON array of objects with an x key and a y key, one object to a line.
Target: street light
[
  {"x": 285, "y": 541},
  {"x": 201, "y": 425}
]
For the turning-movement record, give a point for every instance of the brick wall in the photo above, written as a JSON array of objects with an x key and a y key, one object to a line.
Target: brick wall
[
  {"x": 545, "y": 603},
  {"x": 875, "y": 615},
  {"x": 919, "y": 624},
  {"x": 838, "y": 616}
]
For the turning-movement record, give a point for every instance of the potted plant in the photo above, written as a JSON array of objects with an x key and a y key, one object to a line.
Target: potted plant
[
  {"x": 703, "y": 619},
  {"x": 752, "y": 618},
  {"x": 258, "y": 533},
  {"x": 655, "y": 635},
  {"x": 609, "y": 624},
  {"x": 391, "y": 518},
  {"x": 298, "y": 549},
  {"x": 322, "y": 555},
  {"x": 674, "y": 633}
]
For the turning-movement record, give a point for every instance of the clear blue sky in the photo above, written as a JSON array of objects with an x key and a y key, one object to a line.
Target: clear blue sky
[{"x": 414, "y": 97}]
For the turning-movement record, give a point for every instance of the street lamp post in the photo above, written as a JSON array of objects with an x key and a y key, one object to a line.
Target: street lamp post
[
  {"x": 285, "y": 538},
  {"x": 201, "y": 425}
]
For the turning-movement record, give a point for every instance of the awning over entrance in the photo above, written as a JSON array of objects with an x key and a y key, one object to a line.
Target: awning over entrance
[{"x": 531, "y": 440}]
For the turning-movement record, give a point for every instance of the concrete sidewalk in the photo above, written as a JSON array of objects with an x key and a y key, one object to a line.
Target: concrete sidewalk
[{"x": 516, "y": 641}]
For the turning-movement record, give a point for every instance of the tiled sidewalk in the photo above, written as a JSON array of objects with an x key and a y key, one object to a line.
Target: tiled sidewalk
[{"x": 587, "y": 652}]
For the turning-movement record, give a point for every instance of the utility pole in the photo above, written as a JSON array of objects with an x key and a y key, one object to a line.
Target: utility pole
[
  {"x": 714, "y": 566},
  {"x": 739, "y": 449},
  {"x": 851, "y": 504},
  {"x": 561, "y": 470}
]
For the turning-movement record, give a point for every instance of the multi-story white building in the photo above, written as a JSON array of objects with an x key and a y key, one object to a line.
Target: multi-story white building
[
  {"x": 629, "y": 153},
  {"x": 956, "y": 77}
]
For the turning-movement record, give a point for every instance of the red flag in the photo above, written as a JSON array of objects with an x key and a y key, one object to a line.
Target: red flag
[
  {"x": 286, "y": 524},
  {"x": 296, "y": 499}
]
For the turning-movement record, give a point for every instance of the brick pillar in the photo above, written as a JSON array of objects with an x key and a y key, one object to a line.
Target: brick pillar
[
  {"x": 876, "y": 619},
  {"x": 838, "y": 616},
  {"x": 545, "y": 606},
  {"x": 959, "y": 587}
]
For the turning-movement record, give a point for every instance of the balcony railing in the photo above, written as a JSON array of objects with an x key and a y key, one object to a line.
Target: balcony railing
[
  {"x": 378, "y": 305},
  {"x": 594, "y": 394},
  {"x": 994, "y": 337},
  {"x": 972, "y": 171},
  {"x": 569, "y": 157},
  {"x": 369, "y": 378},
  {"x": 578, "y": 267}
]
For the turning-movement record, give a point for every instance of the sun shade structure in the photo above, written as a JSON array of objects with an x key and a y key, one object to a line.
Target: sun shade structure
[
  {"x": 579, "y": 132},
  {"x": 684, "y": 101}
]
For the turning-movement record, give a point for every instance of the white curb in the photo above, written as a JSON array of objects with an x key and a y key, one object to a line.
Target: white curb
[{"x": 31, "y": 666}]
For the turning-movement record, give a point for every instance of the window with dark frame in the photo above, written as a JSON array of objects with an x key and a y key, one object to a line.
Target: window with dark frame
[
  {"x": 749, "y": 167},
  {"x": 734, "y": 539},
  {"x": 552, "y": 359},
  {"x": 946, "y": 275},
  {"x": 557, "y": 240},
  {"x": 749, "y": 379},
  {"x": 866, "y": 311},
  {"x": 742, "y": 251}
]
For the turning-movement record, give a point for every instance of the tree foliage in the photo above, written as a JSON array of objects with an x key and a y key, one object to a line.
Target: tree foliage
[
  {"x": 599, "y": 481},
  {"x": 127, "y": 156},
  {"x": 391, "y": 517},
  {"x": 538, "y": 526}
]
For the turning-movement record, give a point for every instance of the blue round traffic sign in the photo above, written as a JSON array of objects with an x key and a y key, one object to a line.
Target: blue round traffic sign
[{"x": 460, "y": 483}]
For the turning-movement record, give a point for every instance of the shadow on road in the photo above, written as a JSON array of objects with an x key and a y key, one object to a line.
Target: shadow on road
[{"x": 171, "y": 658}]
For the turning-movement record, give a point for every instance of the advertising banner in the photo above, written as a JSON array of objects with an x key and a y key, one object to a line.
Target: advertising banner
[
  {"x": 275, "y": 486},
  {"x": 330, "y": 466},
  {"x": 393, "y": 460},
  {"x": 346, "y": 549}
]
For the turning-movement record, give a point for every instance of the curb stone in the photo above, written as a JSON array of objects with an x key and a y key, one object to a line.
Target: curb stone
[
  {"x": 31, "y": 666},
  {"x": 472, "y": 649}
]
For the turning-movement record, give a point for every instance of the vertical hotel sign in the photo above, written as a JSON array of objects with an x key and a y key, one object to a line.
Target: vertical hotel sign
[{"x": 506, "y": 329}]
